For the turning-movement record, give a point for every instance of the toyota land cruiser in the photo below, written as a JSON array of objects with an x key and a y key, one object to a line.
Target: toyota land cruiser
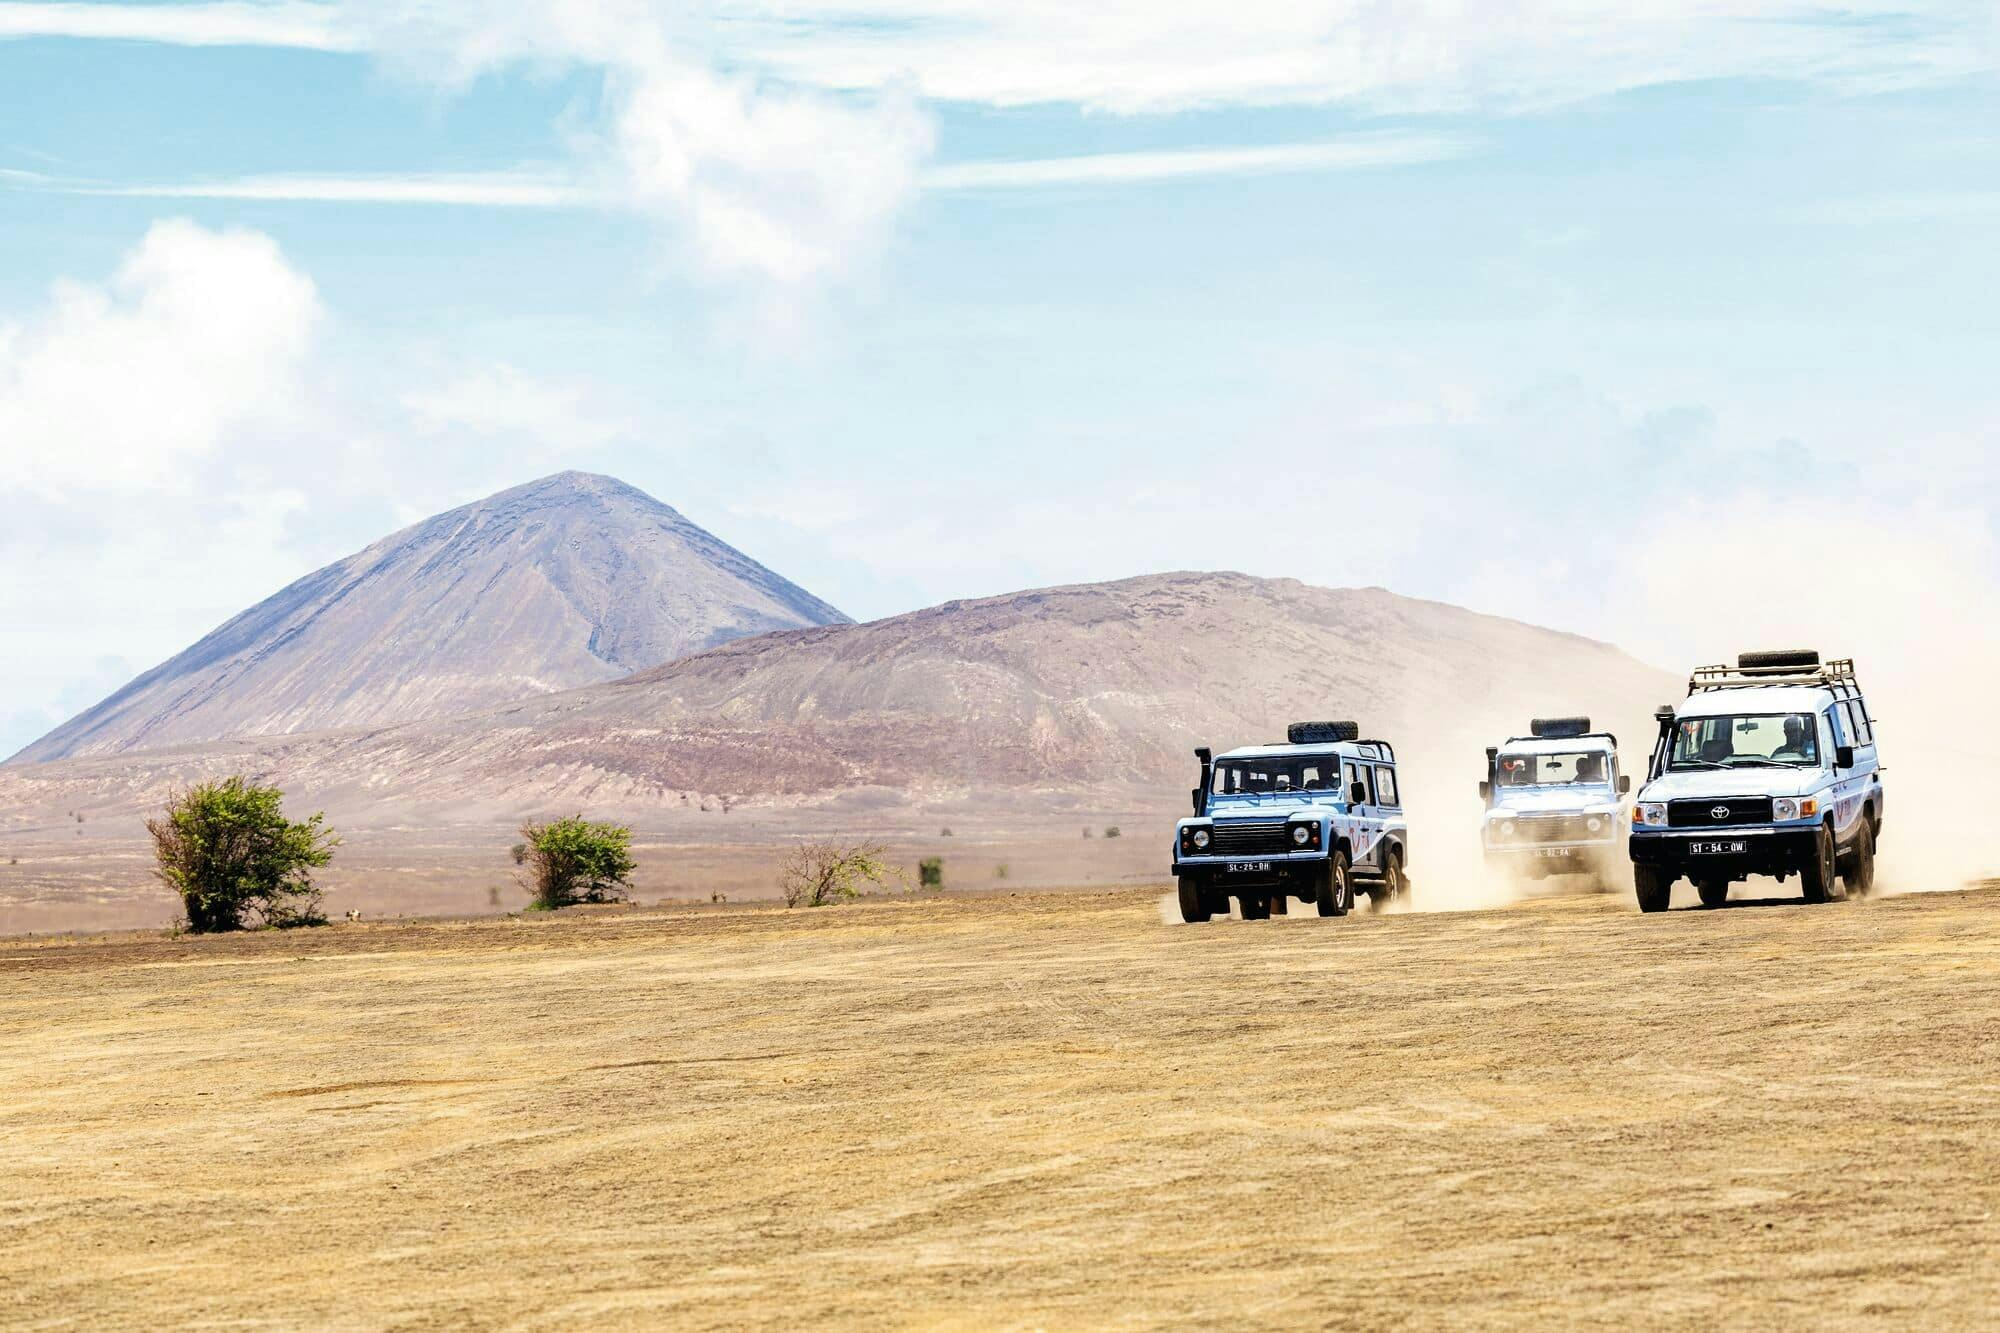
[{"x": 1766, "y": 768}]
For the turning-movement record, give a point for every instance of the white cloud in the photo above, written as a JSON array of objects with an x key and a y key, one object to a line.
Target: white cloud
[
  {"x": 119, "y": 385},
  {"x": 781, "y": 138},
  {"x": 496, "y": 189},
  {"x": 316, "y": 27},
  {"x": 1358, "y": 151}
]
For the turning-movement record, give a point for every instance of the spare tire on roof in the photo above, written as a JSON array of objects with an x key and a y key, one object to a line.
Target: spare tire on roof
[
  {"x": 1322, "y": 733},
  {"x": 1789, "y": 657},
  {"x": 1559, "y": 726}
]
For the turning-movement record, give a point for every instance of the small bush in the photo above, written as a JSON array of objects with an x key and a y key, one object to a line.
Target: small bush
[
  {"x": 1000, "y": 871},
  {"x": 945, "y": 833},
  {"x": 1112, "y": 832},
  {"x": 227, "y": 849},
  {"x": 573, "y": 860},
  {"x": 817, "y": 874},
  {"x": 930, "y": 872}
]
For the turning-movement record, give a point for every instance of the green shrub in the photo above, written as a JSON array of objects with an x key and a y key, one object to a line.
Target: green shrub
[
  {"x": 227, "y": 849},
  {"x": 1112, "y": 832},
  {"x": 573, "y": 860},
  {"x": 817, "y": 874},
  {"x": 930, "y": 872}
]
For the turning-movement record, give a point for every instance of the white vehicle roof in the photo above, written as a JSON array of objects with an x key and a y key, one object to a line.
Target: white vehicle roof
[
  {"x": 1773, "y": 699},
  {"x": 1344, "y": 750},
  {"x": 1558, "y": 744}
]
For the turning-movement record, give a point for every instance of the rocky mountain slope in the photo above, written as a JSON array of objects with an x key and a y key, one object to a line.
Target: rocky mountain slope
[
  {"x": 1063, "y": 689},
  {"x": 560, "y": 583}
]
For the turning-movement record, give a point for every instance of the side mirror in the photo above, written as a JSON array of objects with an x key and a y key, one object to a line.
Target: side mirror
[
  {"x": 1358, "y": 794},
  {"x": 1485, "y": 791},
  {"x": 1624, "y": 785},
  {"x": 1843, "y": 756}
]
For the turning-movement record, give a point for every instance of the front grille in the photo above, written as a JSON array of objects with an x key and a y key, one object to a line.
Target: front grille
[
  {"x": 1719, "y": 812},
  {"x": 1560, "y": 828},
  {"x": 1250, "y": 837}
]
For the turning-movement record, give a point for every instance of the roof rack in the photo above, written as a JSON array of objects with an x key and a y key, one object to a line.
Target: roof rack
[
  {"x": 1580, "y": 736},
  {"x": 1837, "y": 675}
]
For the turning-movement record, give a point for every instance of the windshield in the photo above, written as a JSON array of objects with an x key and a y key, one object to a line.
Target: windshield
[
  {"x": 1280, "y": 775},
  {"x": 1553, "y": 770},
  {"x": 1764, "y": 740}
]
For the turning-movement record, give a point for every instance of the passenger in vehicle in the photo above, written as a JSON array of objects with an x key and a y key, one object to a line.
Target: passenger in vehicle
[{"x": 1589, "y": 768}]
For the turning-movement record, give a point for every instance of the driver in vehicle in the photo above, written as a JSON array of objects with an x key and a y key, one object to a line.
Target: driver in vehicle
[{"x": 1795, "y": 741}]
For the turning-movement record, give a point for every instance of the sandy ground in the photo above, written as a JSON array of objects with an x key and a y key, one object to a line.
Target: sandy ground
[{"x": 1043, "y": 1110}]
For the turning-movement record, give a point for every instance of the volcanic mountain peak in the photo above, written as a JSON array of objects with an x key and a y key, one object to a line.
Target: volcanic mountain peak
[{"x": 566, "y": 581}]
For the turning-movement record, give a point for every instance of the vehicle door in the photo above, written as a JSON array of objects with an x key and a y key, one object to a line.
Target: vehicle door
[
  {"x": 1364, "y": 828},
  {"x": 1388, "y": 807},
  {"x": 1850, "y": 786}
]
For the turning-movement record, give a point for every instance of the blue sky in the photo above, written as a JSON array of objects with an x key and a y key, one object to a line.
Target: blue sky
[{"x": 1545, "y": 309}]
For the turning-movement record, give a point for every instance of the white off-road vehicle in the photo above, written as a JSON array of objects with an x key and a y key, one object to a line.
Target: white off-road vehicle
[
  {"x": 1553, "y": 802},
  {"x": 1314, "y": 819},
  {"x": 1766, "y": 768}
]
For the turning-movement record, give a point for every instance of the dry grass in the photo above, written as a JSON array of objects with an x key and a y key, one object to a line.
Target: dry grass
[{"x": 1045, "y": 1110}]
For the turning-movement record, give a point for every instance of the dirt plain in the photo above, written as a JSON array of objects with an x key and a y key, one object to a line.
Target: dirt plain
[{"x": 1017, "y": 1111}]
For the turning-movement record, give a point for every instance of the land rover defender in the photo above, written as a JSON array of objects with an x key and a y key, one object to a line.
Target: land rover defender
[
  {"x": 1766, "y": 768},
  {"x": 1553, "y": 802},
  {"x": 1315, "y": 819}
]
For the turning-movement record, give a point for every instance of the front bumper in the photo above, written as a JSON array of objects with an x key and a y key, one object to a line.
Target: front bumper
[
  {"x": 1553, "y": 854},
  {"x": 1765, "y": 851},
  {"x": 1223, "y": 872}
]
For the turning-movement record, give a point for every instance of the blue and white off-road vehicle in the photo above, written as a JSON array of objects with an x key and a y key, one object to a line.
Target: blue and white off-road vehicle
[
  {"x": 1553, "y": 802},
  {"x": 1766, "y": 768},
  {"x": 1314, "y": 819}
]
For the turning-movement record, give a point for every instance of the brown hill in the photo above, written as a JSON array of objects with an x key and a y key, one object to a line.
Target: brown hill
[
  {"x": 1064, "y": 689},
  {"x": 563, "y": 582}
]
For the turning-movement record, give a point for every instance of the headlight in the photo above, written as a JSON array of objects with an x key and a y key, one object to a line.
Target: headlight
[
  {"x": 1784, "y": 808},
  {"x": 1650, "y": 814},
  {"x": 1507, "y": 829},
  {"x": 1200, "y": 840},
  {"x": 1301, "y": 835},
  {"x": 1594, "y": 824}
]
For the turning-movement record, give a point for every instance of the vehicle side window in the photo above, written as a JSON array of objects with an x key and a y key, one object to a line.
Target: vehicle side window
[
  {"x": 1385, "y": 788},
  {"x": 1857, "y": 722},
  {"x": 1353, "y": 773},
  {"x": 1833, "y": 715}
]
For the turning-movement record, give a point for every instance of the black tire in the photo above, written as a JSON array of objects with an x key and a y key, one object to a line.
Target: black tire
[
  {"x": 1714, "y": 892},
  {"x": 1395, "y": 881},
  {"x": 1861, "y": 868},
  {"x": 1819, "y": 877},
  {"x": 1802, "y": 658},
  {"x": 1336, "y": 886},
  {"x": 1194, "y": 902},
  {"x": 1255, "y": 908},
  {"x": 1322, "y": 733},
  {"x": 1654, "y": 887}
]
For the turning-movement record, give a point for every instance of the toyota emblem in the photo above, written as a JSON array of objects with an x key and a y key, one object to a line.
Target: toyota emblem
[{"x": 1720, "y": 812}]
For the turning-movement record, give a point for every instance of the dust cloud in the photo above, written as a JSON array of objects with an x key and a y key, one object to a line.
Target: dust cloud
[{"x": 1912, "y": 598}]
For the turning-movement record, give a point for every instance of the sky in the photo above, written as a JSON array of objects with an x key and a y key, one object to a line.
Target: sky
[{"x": 1632, "y": 318}]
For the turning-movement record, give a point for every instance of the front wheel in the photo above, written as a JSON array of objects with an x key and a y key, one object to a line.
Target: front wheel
[
  {"x": 1194, "y": 903},
  {"x": 1336, "y": 886},
  {"x": 1655, "y": 888},
  {"x": 1819, "y": 877}
]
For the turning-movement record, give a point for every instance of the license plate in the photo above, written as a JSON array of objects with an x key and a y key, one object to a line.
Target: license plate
[
  {"x": 1717, "y": 848},
  {"x": 1248, "y": 867},
  {"x": 1556, "y": 853}
]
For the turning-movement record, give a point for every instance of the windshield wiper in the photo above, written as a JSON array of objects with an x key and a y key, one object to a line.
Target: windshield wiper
[{"x": 1679, "y": 764}]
